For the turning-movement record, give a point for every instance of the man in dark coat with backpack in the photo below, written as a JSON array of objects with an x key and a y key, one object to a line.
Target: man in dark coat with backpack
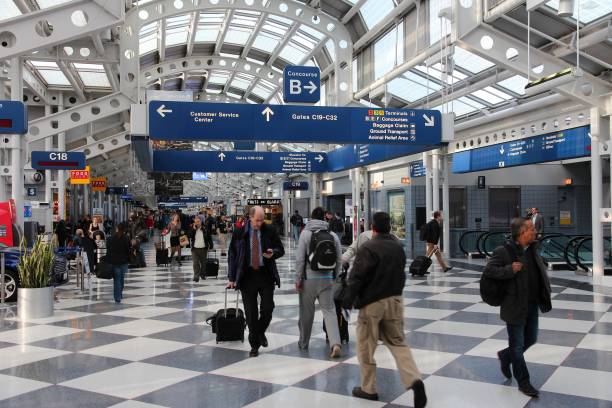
[
  {"x": 524, "y": 288},
  {"x": 252, "y": 269},
  {"x": 431, "y": 233}
]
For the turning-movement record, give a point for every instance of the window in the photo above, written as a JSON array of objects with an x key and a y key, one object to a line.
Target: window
[
  {"x": 374, "y": 11},
  {"x": 457, "y": 207},
  {"x": 515, "y": 84},
  {"x": 389, "y": 51},
  {"x": 436, "y": 26},
  {"x": 590, "y": 10}
]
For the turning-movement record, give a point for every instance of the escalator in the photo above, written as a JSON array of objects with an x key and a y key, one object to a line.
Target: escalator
[{"x": 583, "y": 255}]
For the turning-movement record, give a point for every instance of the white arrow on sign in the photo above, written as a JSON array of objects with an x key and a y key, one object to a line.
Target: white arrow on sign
[
  {"x": 501, "y": 150},
  {"x": 221, "y": 156},
  {"x": 162, "y": 111},
  {"x": 429, "y": 121},
  {"x": 267, "y": 112},
  {"x": 311, "y": 87},
  {"x": 319, "y": 158}
]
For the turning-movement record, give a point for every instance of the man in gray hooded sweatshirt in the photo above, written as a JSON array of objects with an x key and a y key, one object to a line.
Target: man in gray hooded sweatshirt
[{"x": 317, "y": 284}]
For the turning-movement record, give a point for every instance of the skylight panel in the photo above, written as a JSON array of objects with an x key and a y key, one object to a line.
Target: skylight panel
[
  {"x": 207, "y": 35},
  {"x": 54, "y": 77},
  {"x": 274, "y": 28},
  {"x": 262, "y": 92},
  {"x": 280, "y": 19},
  {"x": 590, "y": 10},
  {"x": 265, "y": 43},
  {"x": 498, "y": 93},
  {"x": 304, "y": 41},
  {"x": 292, "y": 54},
  {"x": 237, "y": 35},
  {"x": 470, "y": 61},
  {"x": 374, "y": 11},
  {"x": 462, "y": 106},
  {"x": 176, "y": 36},
  {"x": 91, "y": 67},
  {"x": 50, "y": 3},
  {"x": 515, "y": 84},
  {"x": 331, "y": 49},
  {"x": 411, "y": 87},
  {"x": 418, "y": 79},
  {"x": 9, "y": 9},
  {"x": 487, "y": 97},
  {"x": 94, "y": 79},
  {"x": 437, "y": 25},
  {"x": 434, "y": 71},
  {"x": 240, "y": 83},
  {"x": 312, "y": 32},
  {"x": 218, "y": 77},
  {"x": 386, "y": 50},
  {"x": 44, "y": 64}
]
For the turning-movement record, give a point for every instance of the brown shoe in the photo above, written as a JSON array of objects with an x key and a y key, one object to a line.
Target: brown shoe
[{"x": 359, "y": 393}]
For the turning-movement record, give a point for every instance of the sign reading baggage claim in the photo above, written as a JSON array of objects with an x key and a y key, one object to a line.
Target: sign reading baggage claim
[{"x": 170, "y": 120}]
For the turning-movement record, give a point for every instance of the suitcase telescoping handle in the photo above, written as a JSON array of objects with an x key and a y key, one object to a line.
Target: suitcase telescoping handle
[{"x": 237, "y": 300}]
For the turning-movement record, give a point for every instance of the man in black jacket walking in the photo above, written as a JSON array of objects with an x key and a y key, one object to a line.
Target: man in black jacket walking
[
  {"x": 252, "y": 269},
  {"x": 434, "y": 232},
  {"x": 527, "y": 289},
  {"x": 375, "y": 286}
]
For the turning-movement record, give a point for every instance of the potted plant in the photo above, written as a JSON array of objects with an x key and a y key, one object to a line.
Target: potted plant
[{"x": 35, "y": 295}]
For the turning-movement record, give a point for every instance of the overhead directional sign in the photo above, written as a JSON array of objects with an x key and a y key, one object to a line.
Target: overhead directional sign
[
  {"x": 295, "y": 185},
  {"x": 301, "y": 84},
  {"x": 244, "y": 145},
  {"x": 293, "y": 123},
  {"x": 13, "y": 117},
  {"x": 264, "y": 201},
  {"x": 172, "y": 200},
  {"x": 349, "y": 157},
  {"x": 239, "y": 162},
  {"x": 417, "y": 169},
  {"x": 200, "y": 176},
  {"x": 567, "y": 144},
  {"x": 58, "y": 160}
]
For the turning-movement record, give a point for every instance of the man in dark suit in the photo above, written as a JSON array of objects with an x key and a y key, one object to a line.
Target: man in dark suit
[
  {"x": 526, "y": 289},
  {"x": 252, "y": 269},
  {"x": 538, "y": 222}
]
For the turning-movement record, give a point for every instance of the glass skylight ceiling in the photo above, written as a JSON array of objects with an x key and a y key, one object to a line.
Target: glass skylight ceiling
[
  {"x": 9, "y": 9},
  {"x": 374, "y": 11},
  {"x": 590, "y": 10}
]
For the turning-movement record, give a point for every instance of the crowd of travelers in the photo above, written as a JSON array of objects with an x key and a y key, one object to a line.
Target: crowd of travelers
[{"x": 369, "y": 276}]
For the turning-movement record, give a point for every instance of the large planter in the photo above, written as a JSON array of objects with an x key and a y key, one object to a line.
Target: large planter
[{"x": 35, "y": 303}]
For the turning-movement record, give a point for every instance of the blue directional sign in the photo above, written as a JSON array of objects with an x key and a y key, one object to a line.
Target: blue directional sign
[
  {"x": 239, "y": 162},
  {"x": 349, "y": 157},
  {"x": 116, "y": 190},
  {"x": 567, "y": 144},
  {"x": 58, "y": 160},
  {"x": 244, "y": 145},
  {"x": 295, "y": 185},
  {"x": 199, "y": 199},
  {"x": 31, "y": 191},
  {"x": 13, "y": 117},
  {"x": 127, "y": 197},
  {"x": 170, "y": 120},
  {"x": 417, "y": 169},
  {"x": 301, "y": 84},
  {"x": 199, "y": 176}
]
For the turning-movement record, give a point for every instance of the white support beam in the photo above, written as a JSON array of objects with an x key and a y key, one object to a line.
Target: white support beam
[
  {"x": 193, "y": 29},
  {"x": 353, "y": 11},
  {"x": 224, "y": 28},
  {"x": 107, "y": 54},
  {"x": 35, "y": 85},
  {"x": 314, "y": 51},
  {"x": 79, "y": 115},
  {"x": 251, "y": 40},
  {"x": 72, "y": 77},
  {"x": 161, "y": 39},
  {"x": 587, "y": 89},
  {"x": 25, "y": 33},
  {"x": 386, "y": 23},
  {"x": 109, "y": 144},
  {"x": 283, "y": 43}
]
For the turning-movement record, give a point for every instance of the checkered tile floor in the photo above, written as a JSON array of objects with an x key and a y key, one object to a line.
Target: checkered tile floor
[{"x": 154, "y": 350}]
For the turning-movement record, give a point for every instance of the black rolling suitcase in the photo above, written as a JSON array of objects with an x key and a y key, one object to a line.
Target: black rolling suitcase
[
  {"x": 161, "y": 254},
  {"x": 421, "y": 264},
  {"x": 228, "y": 323},
  {"x": 342, "y": 325},
  {"x": 212, "y": 265}
]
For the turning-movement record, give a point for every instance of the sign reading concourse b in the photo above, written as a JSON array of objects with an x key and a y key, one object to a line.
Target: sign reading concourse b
[
  {"x": 301, "y": 84},
  {"x": 170, "y": 120}
]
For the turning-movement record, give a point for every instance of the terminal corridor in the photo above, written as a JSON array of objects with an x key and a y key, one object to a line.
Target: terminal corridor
[{"x": 155, "y": 350}]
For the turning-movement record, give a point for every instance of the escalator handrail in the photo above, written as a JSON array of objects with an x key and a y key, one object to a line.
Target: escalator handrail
[
  {"x": 461, "y": 247},
  {"x": 479, "y": 241},
  {"x": 566, "y": 251},
  {"x": 577, "y": 252},
  {"x": 555, "y": 244},
  {"x": 490, "y": 234}
]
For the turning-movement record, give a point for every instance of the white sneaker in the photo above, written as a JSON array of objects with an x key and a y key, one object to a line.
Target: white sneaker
[{"x": 336, "y": 351}]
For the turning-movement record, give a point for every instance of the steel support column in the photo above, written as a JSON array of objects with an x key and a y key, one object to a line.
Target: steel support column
[
  {"x": 435, "y": 178},
  {"x": 48, "y": 181},
  {"x": 17, "y": 143},
  {"x": 597, "y": 194},
  {"x": 365, "y": 178},
  {"x": 446, "y": 205},
  {"x": 61, "y": 174},
  {"x": 428, "y": 191}
]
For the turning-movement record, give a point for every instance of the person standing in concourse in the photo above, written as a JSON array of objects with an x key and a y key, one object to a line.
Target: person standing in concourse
[
  {"x": 433, "y": 234},
  {"x": 199, "y": 249},
  {"x": 520, "y": 269},
  {"x": 375, "y": 287},
  {"x": 252, "y": 269}
]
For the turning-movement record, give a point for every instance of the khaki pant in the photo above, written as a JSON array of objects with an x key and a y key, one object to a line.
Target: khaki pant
[
  {"x": 222, "y": 241},
  {"x": 441, "y": 260},
  {"x": 384, "y": 320}
]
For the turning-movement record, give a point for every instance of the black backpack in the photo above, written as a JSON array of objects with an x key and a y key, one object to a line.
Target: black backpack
[
  {"x": 492, "y": 291},
  {"x": 322, "y": 252}
]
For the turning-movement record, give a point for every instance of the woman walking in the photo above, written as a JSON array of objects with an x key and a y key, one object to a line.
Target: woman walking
[
  {"x": 118, "y": 255},
  {"x": 174, "y": 229}
]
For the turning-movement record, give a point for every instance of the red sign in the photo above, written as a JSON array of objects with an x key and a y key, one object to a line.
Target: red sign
[{"x": 79, "y": 176}]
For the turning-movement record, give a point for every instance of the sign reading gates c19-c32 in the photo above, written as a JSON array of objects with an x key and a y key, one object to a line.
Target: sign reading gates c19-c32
[{"x": 169, "y": 120}]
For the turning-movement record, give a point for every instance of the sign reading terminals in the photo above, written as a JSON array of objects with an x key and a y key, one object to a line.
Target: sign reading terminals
[
  {"x": 301, "y": 84},
  {"x": 58, "y": 160}
]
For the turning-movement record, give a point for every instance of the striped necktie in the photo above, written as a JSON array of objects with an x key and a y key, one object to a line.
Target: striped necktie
[{"x": 255, "y": 251}]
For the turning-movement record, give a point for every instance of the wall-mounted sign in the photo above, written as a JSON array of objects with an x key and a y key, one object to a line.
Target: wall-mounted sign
[
  {"x": 31, "y": 191},
  {"x": 13, "y": 117},
  {"x": 58, "y": 160},
  {"x": 80, "y": 176},
  {"x": 417, "y": 169},
  {"x": 116, "y": 190},
  {"x": 301, "y": 84},
  {"x": 295, "y": 186}
]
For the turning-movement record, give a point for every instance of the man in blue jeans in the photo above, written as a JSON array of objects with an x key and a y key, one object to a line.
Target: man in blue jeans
[
  {"x": 118, "y": 255},
  {"x": 526, "y": 289}
]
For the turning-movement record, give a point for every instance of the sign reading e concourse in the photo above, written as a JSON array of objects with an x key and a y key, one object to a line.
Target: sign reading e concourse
[
  {"x": 58, "y": 160},
  {"x": 239, "y": 162},
  {"x": 170, "y": 120}
]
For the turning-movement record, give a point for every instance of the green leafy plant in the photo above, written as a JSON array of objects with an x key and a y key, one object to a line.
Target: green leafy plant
[{"x": 35, "y": 266}]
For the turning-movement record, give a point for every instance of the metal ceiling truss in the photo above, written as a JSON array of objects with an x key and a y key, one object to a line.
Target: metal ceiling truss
[
  {"x": 183, "y": 66},
  {"x": 136, "y": 18},
  {"x": 79, "y": 115},
  {"x": 57, "y": 25},
  {"x": 80, "y": 50},
  {"x": 509, "y": 52},
  {"x": 104, "y": 146}
]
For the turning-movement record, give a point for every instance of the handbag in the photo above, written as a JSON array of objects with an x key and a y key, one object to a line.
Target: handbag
[
  {"x": 104, "y": 270},
  {"x": 339, "y": 287},
  {"x": 184, "y": 241}
]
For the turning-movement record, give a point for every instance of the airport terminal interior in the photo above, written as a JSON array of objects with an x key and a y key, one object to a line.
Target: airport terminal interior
[{"x": 180, "y": 180}]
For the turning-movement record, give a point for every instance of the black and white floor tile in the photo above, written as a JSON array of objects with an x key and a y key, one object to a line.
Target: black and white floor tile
[{"x": 155, "y": 350}]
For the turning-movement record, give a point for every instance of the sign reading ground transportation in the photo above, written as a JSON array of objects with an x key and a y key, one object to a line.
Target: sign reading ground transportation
[
  {"x": 264, "y": 201},
  {"x": 301, "y": 84},
  {"x": 293, "y": 123},
  {"x": 239, "y": 162},
  {"x": 295, "y": 185},
  {"x": 58, "y": 160},
  {"x": 417, "y": 169},
  {"x": 566, "y": 144},
  {"x": 13, "y": 117}
]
